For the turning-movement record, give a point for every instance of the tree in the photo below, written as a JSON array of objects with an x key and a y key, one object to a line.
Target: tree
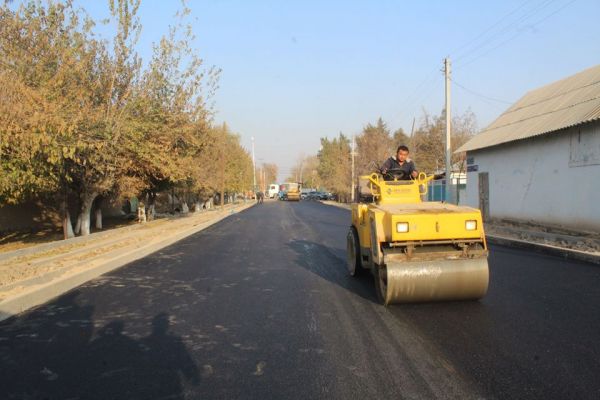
[
  {"x": 400, "y": 138},
  {"x": 72, "y": 126},
  {"x": 335, "y": 167},
  {"x": 80, "y": 119},
  {"x": 374, "y": 145},
  {"x": 175, "y": 147},
  {"x": 429, "y": 138},
  {"x": 310, "y": 176},
  {"x": 271, "y": 171}
]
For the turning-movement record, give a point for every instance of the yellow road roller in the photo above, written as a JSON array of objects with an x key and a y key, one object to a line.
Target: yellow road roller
[{"x": 417, "y": 251}]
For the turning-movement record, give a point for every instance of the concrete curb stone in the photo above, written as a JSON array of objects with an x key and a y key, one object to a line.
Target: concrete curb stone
[{"x": 563, "y": 252}]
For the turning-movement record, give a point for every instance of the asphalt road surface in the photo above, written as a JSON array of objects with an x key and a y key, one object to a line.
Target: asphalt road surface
[{"x": 260, "y": 306}]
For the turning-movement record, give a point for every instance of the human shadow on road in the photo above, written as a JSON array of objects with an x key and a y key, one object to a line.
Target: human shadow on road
[
  {"x": 318, "y": 259},
  {"x": 51, "y": 353},
  {"x": 156, "y": 366}
]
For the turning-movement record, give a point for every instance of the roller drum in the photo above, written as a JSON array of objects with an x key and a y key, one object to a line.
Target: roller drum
[{"x": 436, "y": 280}]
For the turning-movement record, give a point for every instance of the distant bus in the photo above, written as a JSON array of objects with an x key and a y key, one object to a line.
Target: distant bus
[{"x": 273, "y": 190}]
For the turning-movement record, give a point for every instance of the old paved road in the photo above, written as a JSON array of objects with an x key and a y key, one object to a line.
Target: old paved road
[{"x": 260, "y": 306}]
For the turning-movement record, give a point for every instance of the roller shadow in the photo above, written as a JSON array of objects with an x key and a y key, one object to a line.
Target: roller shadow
[{"x": 319, "y": 260}]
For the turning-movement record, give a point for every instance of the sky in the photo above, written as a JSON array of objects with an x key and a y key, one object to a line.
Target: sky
[{"x": 296, "y": 71}]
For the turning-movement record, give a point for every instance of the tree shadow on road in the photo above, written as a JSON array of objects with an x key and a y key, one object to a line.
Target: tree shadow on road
[
  {"x": 318, "y": 259},
  {"x": 53, "y": 353}
]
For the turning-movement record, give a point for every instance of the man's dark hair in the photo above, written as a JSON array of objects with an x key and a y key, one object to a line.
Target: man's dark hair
[{"x": 403, "y": 148}]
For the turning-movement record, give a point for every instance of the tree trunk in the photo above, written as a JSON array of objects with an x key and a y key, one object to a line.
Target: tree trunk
[
  {"x": 198, "y": 206},
  {"x": 66, "y": 221},
  {"x": 99, "y": 218},
  {"x": 184, "y": 207},
  {"x": 86, "y": 211},
  {"x": 172, "y": 201},
  {"x": 150, "y": 210},
  {"x": 151, "y": 213},
  {"x": 78, "y": 225}
]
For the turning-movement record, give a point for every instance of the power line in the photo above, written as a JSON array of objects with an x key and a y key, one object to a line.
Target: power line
[
  {"x": 417, "y": 92},
  {"x": 506, "y": 28},
  {"x": 518, "y": 33},
  {"x": 489, "y": 28},
  {"x": 479, "y": 94}
]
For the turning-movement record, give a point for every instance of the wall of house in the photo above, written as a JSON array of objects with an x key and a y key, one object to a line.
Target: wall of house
[{"x": 552, "y": 179}]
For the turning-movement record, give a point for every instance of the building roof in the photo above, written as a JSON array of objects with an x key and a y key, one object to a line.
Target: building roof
[{"x": 571, "y": 101}]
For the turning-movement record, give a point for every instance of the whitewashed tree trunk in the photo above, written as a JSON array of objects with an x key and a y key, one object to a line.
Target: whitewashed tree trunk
[
  {"x": 67, "y": 225},
  {"x": 86, "y": 211},
  {"x": 98, "y": 218},
  {"x": 151, "y": 212},
  {"x": 184, "y": 207},
  {"x": 78, "y": 225},
  {"x": 198, "y": 206},
  {"x": 141, "y": 214}
]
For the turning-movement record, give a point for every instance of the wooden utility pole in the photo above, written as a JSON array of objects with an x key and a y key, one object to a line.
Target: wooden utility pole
[
  {"x": 448, "y": 129},
  {"x": 253, "y": 169}
]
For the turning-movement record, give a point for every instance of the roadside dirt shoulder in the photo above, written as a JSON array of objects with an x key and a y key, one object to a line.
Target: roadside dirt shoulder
[{"x": 43, "y": 263}]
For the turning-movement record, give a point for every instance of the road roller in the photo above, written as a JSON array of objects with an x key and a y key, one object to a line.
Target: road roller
[{"x": 417, "y": 251}]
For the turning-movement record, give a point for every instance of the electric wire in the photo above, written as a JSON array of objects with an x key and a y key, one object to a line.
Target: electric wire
[
  {"x": 479, "y": 94},
  {"x": 514, "y": 36},
  {"x": 496, "y": 35}
]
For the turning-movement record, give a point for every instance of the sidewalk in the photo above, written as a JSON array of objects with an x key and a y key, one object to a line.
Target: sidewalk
[
  {"x": 584, "y": 246},
  {"x": 33, "y": 275}
]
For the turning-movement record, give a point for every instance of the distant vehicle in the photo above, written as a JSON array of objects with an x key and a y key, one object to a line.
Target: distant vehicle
[
  {"x": 291, "y": 191},
  {"x": 312, "y": 195},
  {"x": 273, "y": 190},
  {"x": 304, "y": 192}
]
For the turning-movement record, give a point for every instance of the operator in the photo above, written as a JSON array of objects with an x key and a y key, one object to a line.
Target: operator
[{"x": 400, "y": 166}]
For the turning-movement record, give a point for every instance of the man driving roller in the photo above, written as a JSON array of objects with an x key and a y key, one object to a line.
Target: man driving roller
[{"x": 400, "y": 166}]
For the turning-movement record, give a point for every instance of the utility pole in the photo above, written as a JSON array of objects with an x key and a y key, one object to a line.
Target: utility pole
[
  {"x": 448, "y": 129},
  {"x": 253, "y": 168},
  {"x": 352, "y": 182}
]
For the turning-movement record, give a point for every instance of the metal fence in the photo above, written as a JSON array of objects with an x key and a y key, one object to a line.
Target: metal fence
[{"x": 436, "y": 191}]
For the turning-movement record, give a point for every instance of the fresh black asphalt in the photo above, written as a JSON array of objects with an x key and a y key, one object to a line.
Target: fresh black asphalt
[{"x": 260, "y": 306}]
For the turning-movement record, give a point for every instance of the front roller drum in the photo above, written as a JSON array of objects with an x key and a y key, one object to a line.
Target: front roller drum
[{"x": 437, "y": 280}]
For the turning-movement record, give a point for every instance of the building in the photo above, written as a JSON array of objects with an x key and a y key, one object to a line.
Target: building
[{"x": 540, "y": 160}]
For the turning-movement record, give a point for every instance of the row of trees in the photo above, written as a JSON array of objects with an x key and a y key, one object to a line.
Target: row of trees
[
  {"x": 84, "y": 118},
  {"x": 332, "y": 166}
]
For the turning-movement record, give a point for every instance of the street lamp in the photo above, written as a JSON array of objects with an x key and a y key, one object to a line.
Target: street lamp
[{"x": 253, "y": 168}]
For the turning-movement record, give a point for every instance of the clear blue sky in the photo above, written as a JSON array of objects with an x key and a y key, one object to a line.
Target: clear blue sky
[{"x": 296, "y": 71}]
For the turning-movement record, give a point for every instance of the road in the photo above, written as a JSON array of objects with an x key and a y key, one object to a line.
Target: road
[{"x": 260, "y": 306}]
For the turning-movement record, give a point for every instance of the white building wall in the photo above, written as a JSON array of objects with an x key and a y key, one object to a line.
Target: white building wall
[{"x": 553, "y": 178}]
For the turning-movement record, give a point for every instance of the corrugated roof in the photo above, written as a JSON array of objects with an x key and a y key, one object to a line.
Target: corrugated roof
[{"x": 568, "y": 102}]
